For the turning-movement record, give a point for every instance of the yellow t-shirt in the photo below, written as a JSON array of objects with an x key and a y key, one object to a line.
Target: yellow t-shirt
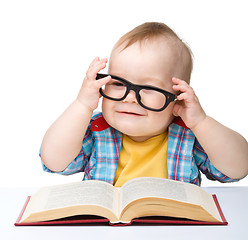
[{"x": 142, "y": 159}]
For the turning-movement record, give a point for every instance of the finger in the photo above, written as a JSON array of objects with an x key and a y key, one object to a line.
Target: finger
[
  {"x": 181, "y": 96},
  {"x": 178, "y": 81},
  {"x": 96, "y": 59},
  {"x": 96, "y": 62},
  {"x": 92, "y": 65},
  {"x": 182, "y": 88},
  {"x": 175, "y": 80},
  {"x": 185, "y": 96},
  {"x": 178, "y": 108},
  {"x": 188, "y": 98},
  {"x": 175, "y": 110},
  {"x": 95, "y": 68},
  {"x": 102, "y": 81}
]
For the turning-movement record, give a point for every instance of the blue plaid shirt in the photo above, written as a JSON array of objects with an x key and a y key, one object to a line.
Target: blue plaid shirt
[{"x": 101, "y": 148}]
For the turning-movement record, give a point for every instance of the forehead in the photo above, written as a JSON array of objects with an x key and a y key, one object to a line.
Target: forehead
[{"x": 155, "y": 58}]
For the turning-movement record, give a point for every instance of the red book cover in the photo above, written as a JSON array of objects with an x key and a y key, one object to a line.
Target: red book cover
[{"x": 95, "y": 220}]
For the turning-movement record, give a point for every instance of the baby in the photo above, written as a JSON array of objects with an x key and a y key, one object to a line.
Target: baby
[{"x": 151, "y": 124}]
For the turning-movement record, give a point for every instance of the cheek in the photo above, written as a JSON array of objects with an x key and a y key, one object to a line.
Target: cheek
[
  {"x": 106, "y": 105},
  {"x": 163, "y": 118},
  {"x": 107, "y": 109}
]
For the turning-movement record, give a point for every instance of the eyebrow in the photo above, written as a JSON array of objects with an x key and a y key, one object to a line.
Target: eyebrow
[{"x": 153, "y": 80}]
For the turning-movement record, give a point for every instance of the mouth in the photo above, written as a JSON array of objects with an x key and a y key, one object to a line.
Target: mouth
[{"x": 131, "y": 114}]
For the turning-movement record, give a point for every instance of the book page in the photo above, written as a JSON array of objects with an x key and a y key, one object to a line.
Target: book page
[
  {"x": 145, "y": 187},
  {"x": 91, "y": 192},
  {"x": 151, "y": 187},
  {"x": 196, "y": 195}
]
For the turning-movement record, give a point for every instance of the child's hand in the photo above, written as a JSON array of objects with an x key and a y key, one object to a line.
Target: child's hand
[
  {"x": 89, "y": 93},
  {"x": 188, "y": 107}
]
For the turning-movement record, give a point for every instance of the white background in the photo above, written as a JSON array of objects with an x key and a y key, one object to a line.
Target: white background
[{"x": 47, "y": 45}]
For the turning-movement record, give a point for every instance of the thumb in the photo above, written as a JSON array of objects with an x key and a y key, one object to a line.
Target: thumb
[{"x": 176, "y": 109}]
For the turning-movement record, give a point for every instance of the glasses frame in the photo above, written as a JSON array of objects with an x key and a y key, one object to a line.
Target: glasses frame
[{"x": 170, "y": 97}]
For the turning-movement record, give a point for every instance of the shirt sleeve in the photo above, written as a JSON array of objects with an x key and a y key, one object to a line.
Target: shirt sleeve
[
  {"x": 79, "y": 163},
  {"x": 207, "y": 167}
]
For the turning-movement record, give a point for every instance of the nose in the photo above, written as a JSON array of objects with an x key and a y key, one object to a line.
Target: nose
[{"x": 131, "y": 97}]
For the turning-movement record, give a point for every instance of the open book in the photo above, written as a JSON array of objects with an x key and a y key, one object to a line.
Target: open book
[{"x": 137, "y": 198}]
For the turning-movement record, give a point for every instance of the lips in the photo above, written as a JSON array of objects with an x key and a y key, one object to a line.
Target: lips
[
  {"x": 130, "y": 113},
  {"x": 126, "y": 109}
]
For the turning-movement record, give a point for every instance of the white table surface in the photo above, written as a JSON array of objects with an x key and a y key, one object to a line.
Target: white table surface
[{"x": 233, "y": 201}]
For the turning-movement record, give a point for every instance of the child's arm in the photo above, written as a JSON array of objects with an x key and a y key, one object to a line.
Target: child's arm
[
  {"x": 226, "y": 149},
  {"x": 63, "y": 140}
]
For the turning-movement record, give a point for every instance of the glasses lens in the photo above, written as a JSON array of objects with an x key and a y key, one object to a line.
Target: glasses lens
[
  {"x": 152, "y": 98},
  {"x": 114, "y": 89}
]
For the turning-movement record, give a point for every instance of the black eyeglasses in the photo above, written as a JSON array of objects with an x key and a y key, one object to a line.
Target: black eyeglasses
[{"x": 151, "y": 98}]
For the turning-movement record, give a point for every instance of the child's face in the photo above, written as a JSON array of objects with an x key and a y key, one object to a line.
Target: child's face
[{"x": 148, "y": 64}]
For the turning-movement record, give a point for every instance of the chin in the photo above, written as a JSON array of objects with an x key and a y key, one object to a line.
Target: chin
[{"x": 127, "y": 128}]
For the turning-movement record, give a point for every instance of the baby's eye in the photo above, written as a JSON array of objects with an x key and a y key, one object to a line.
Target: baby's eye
[{"x": 117, "y": 83}]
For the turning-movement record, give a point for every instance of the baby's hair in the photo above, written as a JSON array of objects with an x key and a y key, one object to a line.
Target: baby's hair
[{"x": 154, "y": 30}]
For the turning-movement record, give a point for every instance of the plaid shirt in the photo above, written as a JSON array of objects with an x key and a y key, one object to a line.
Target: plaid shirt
[{"x": 101, "y": 148}]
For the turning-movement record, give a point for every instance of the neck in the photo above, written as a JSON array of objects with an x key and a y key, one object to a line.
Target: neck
[{"x": 142, "y": 138}]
